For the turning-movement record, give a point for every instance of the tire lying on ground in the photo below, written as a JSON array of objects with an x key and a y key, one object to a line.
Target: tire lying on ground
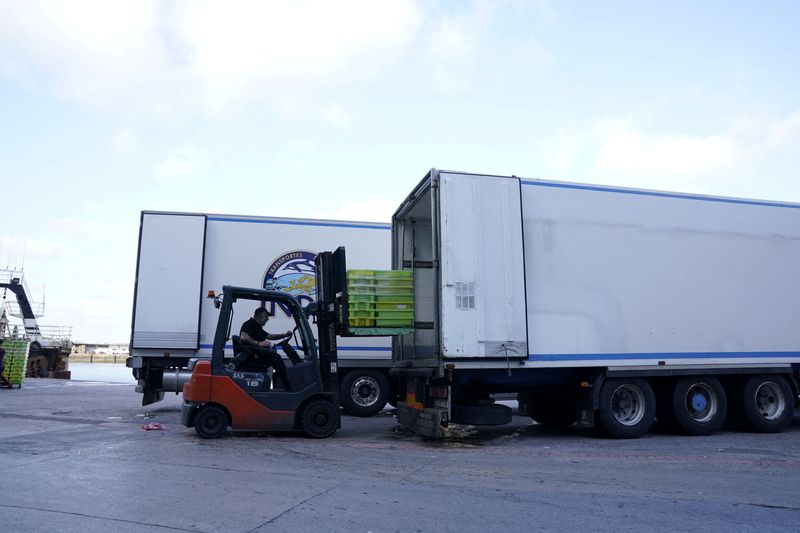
[{"x": 364, "y": 392}]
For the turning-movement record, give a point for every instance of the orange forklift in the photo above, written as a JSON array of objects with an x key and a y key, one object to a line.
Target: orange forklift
[{"x": 217, "y": 397}]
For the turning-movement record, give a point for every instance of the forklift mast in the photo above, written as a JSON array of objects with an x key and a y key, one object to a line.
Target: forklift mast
[{"x": 331, "y": 270}]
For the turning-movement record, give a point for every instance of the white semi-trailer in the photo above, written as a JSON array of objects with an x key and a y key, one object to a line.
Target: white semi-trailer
[
  {"x": 596, "y": 304},
  {"x": 184, "y": 255}
]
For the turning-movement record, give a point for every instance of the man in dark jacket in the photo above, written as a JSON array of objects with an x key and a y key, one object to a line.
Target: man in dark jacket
[{"x": 253, "y": 334}]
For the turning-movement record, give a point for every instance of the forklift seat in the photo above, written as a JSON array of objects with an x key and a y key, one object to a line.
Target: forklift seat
[{"x": 264, "y": 374}]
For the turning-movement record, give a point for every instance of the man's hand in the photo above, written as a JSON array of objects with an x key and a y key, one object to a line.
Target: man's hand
[
  {"x": 265, "y": 344},
  {"x": 288, "y": 333}
]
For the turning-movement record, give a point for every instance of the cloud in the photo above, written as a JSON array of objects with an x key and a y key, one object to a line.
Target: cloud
[
  {"x": 182, "y": 166},
  {"x": 729, "y": 161},
  {"x": 123, "y": 142},
  {"x": 377, "y": 210},
  {"x": 632, "y": 152},
  {"x": 244, "y": 49},
  {"x": 339, "y": 116},
  {"x": 148, "y": 56},
  {"x": 15, "y": 251},
  {"x": 87, "y": 50}
]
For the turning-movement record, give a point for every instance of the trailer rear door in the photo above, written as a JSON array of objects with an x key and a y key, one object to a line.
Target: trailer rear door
[
  {"x": 169, "y": 277},
  {"x": 482, "y": 267}
]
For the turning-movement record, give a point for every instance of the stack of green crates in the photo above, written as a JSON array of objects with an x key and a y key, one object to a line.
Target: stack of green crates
[
  {"x": 380, "y": 299},
  {"x": 16, "y": 360}
]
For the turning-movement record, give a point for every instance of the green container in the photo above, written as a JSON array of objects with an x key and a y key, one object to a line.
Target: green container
[
  {"x": 361, "y": 314},
  {"x": 393, "y": 306},
  {"x": 394, "y": 313},
  {"x": 361, "y": 306},
  {"x": 360, "y": 290},
  {"x": 394, "y": 322},
  {"x": 360, "y": 274},
  {"x": 407, "y": 298},
  {"x": 394, "y": 291},
  {"x": 360, "y": 298},
  {"x": 362, "y": 322}
]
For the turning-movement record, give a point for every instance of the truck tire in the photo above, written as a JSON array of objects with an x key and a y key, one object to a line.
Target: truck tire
[
  {"x": 699, "y": 405},
  {"x": 211, "y": 422},
  {"x": 767, "y": 403},
  {"x": 364, "y": 392},
  {"x": 480, "y": 414},
  {"x": 319, "y": 419},
  {"x": 627, "y": 407}
]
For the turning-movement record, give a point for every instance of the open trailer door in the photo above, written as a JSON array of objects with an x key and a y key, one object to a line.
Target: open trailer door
[
  {"x": 169, "y": 276},
  {"x": 482, "y": 267}
]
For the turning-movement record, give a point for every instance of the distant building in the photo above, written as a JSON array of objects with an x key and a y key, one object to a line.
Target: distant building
[{"x": 94, "y": 349}]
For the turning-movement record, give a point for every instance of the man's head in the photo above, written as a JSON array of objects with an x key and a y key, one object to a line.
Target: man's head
[{"x": 261, "y": 315}]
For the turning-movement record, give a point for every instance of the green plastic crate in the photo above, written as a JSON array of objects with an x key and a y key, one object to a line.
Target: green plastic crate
[
  {"x": 394, "y": 322},
  {"x": 360, "y": 298},
  {"x": 361, "y": 306},
  {"x": 395, "y": 313},
  {"x": 394, "y": 306},
  {"x": 361, "y": 314},
  {"x": 362, "y": 322},
  {"x": 394, "y": 274}
]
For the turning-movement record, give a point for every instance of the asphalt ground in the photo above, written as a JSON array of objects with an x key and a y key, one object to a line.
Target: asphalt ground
[{"x": 74, "y": 457}]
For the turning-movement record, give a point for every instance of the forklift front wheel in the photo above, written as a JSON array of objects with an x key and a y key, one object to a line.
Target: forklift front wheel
[
  {"x": 319, "y": 419},
  {"x": 211, "y": 422}
]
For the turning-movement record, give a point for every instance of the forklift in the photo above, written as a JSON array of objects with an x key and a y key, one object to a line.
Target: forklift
[{"x": 217, "y": 397}]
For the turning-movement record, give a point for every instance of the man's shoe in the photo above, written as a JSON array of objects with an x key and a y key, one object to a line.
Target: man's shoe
[{"x": 230, "y": 368}]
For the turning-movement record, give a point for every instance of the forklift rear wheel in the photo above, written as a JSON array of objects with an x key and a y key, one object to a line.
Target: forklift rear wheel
[
  {"x": 211, "y": 422},
  {"x": 319, "y": 419}
]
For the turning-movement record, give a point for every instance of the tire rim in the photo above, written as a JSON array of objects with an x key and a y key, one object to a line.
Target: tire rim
[
  {"x": 701, "y": 402},
  {"x": 769, "y": 400},
  {"x": 364, "y": 391},
  {"x": 321, "y": 419},
  {"x": 212, "y": 423},
  {"x": 628, "y": 404}
]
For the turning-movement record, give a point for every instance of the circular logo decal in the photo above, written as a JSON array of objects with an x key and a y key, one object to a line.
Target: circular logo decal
[{"x": 293, "y": 272}]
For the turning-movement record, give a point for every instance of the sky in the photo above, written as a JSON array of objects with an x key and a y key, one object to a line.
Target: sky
[{"x": 336, "y": 110}]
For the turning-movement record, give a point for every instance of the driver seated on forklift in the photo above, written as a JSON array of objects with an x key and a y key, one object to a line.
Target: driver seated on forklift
[{"x": 253, "y": 334}]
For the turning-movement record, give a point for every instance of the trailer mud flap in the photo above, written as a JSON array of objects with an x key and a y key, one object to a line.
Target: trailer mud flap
[{"x": 426, "y": 422}]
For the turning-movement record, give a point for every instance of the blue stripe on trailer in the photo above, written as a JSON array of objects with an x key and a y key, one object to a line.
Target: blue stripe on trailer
[
  {"x": 657, "y": 356},
  {"x": 339, "y": 348},
  {"x": 681, "y": 196},
  {"x": 300, "y": 223}
]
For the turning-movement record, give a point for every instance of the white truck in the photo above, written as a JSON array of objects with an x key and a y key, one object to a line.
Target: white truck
[
  {"x": 184, "y": 255},
  {"x": 596, "y": 304}
]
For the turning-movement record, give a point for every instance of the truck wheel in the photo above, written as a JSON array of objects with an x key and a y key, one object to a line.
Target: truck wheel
[
  {"x": 211, "y": 422},
  {"x": 699, "y": 405},
  {"x": 627, "y": 407},
  {"x": 767, "y": 403},
  {"x": 319, "y": 419},
  {"x": 480, "y": 415},
  {"x": 364, "y": 392}
]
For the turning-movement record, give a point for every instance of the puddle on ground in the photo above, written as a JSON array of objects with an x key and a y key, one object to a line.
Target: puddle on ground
[{"x": 456, "y": 436}]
